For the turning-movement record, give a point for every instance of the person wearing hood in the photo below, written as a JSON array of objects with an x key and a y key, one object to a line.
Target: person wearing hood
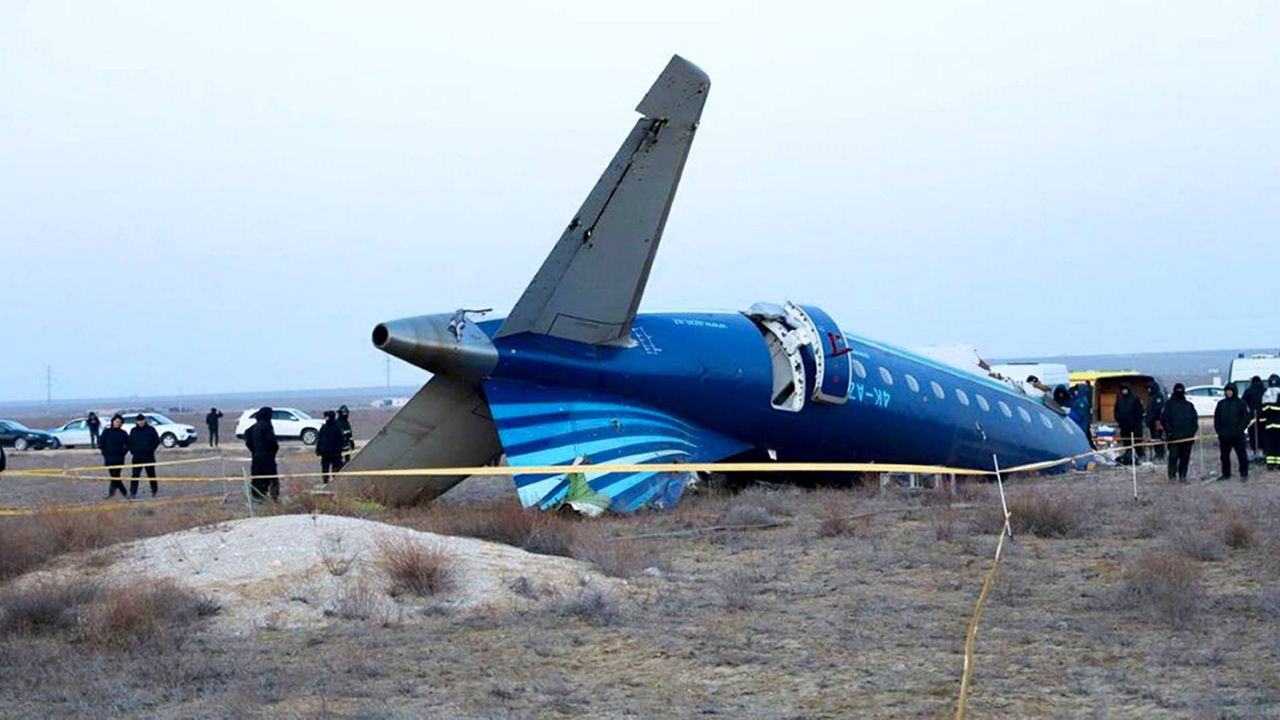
[
  {"x": 1230, "y": 419},
  {"x": 1155, "y": 409},
  {"x": 261, "y": 440},
  {"x": 1253, "y": 399},
  {"x": 1082, "y": 409},
  {"x": 1269, "y": 417},
  {"x": 1129, "y": 414},
  {"x": 348, "y": 438},
  {"x": 1181, "y": 423},
  {"x": 329, "y": 445},
  {"x": 114, "y": 445},
  {"x": 93, "y": 423}
]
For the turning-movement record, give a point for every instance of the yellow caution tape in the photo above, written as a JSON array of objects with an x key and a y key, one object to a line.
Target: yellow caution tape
[{"x": 104, "y": 507}]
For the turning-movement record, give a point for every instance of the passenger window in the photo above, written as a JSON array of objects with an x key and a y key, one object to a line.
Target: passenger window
[
  {"x": 1044, "y": 420},
  {"x": 938, "y": 392},
  {"x": 1026, "y": 416},
  {"x": 982, "y": 402},
  {"x": 911, "y": 383},
  {"x": 886, "y": 376},
  {"x": 962, "y": 397},
  {"x": 858, "y": 368},
  {"x": 1004, "y": 409},
  {"x": 280, "y": 415}
]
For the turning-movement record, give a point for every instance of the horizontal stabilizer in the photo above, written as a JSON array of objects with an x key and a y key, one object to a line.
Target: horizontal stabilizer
[
  {"x": 553, "y": 426},
  {"x": 590, "y": 285},
  {"x": 446, "y": 424}
]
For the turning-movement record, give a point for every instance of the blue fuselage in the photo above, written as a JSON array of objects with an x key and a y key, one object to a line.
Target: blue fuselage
[{"x": 714, "y": 369}]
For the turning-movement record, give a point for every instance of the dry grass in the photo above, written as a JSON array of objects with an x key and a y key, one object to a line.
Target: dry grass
[
  {"x": 29, "y": 542},
  {"x": 412, "y": 568},
  {"x": 589, "y": 605},
  {"x": 1164, "y": 586},
  {"x": 1239, "y": 530},
  {"x": 140, "y": 612},
  {"x": 504, "y": 522},
  {"x": 44, "y": 607},
  {"x": 1036, "y": 513},
  {"x": 616, "y": 558}
]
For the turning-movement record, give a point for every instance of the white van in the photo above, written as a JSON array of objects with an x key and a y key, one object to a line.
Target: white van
[{"x": 1243, "y": 367}]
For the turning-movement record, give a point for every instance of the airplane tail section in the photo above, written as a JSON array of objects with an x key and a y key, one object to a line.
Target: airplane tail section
[
  {"x": 590, "y": 285},
  {"x": 541, "y": 425},
  {"x": 446, "y": 424}
]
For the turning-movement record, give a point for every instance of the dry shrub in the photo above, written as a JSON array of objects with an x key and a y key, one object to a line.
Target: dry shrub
[
  {"x": 412, "y": 568},
  {"x": 1164, "y": 586},
  {"x": 1238, "y": 529},
  {"x": 537, "y": 531},
  {"x": 1198, "y": 539},
  {"x": 741, "y": 588},
  {"x": 589, "y": 605},
  {"x": 747, "y": 515},
  {"x": 945, "y": 523},
  {"x": 1036, "y": 513},
  {"x": 357, "y": 599},
  {"x": 126, "y": 615},
  {"x": 334, "y": 558},
  {"x": 44, "y": 606},
  {"x": 616, "y": 558},
  {"x": 835, "y": 521}
]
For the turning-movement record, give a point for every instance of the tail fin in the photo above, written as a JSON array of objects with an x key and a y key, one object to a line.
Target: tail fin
[{"x": 590, "y": 285}]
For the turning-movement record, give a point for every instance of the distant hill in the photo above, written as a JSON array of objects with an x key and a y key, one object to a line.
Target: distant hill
[{"x": 1198, "y": 367}]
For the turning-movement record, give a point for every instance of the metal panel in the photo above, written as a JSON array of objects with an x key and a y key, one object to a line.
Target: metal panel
[{"x": 446, "y": 424}]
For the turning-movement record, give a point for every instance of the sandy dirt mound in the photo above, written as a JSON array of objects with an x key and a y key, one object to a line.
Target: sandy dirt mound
[{"x": 302, "y": 570}]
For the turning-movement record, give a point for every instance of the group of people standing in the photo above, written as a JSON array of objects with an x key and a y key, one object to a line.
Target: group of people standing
[
  {"x": 141, "y": 442},
  {"x": 334, "y": 443},
  {"x": 1241, "y": 424}
]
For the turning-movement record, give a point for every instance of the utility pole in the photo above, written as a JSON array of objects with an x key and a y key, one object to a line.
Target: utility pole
[
  {"x": 388, "y": 358},
  {"x": 48, "y": 385}
]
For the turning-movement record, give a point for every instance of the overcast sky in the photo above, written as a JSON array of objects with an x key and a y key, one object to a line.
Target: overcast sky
[{"x": 221, "y": 197}]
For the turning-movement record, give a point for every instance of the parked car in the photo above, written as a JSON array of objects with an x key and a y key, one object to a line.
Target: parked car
[
  {"x": 287, "y": 422},
  {"x": 172, "y": 433},
  {"x": 20, "y": 437},
  {"x": 1205, "y": 398}
]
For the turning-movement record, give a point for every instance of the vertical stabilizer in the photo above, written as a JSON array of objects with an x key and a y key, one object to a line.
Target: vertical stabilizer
[{"x": 590, "y": 285}]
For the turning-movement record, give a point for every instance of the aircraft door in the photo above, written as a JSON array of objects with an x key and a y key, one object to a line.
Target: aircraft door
[{"x": 831, "y": 355}]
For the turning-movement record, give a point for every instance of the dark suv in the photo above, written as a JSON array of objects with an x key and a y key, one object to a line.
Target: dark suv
[{"x": 20, "y": 437}]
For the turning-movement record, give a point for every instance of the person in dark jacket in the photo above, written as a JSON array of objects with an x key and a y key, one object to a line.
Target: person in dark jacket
[
  {"x": 1181, "y": 423},
  {"x": 211, "y": 422},
  {"x": 1082, "y": 409},
  {"x": 1155, "y": 410},
  {"x": 1269, "y": 417},
  {"x": 1128, "y": 412},
  {"x": 114, "y": 445},
  {"x": 329, "y": 445},
  {"x": 93, "y": 423},
  {"x": 263, "y": 446},
  {"x": 143, "y": 441},
  {"x": 1253, "y": 399},
  {"x": 3, "y": 461},
  {"x": 1230, "y": 419},
  {"x": 348, "y": 438}
]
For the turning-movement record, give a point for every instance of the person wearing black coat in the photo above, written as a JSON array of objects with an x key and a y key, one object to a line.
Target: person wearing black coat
[
  {"x": 1230, "y": 419},
  {"x": 348, "y": 437},
  {"x": 211, "y": 422},
  {"x": 1155, "y": 409},
  {"x": 1269, "y": 418},
  {"x": 143, "y": 441},
  {"x": 93, "y": 423},
  {"x": 3, "y": 461},
  {"x": 114, "y": 445},
  {"x": 1181, "y": 422},
  {"x": 1129, "y": 414},
  {"x": 329, "y": 445},
  {"x": 1253, "y": 399},
  {"x": 263, "y": 446}
]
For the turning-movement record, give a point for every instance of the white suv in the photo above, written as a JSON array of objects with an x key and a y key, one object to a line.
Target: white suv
[
  {"x": 172, "y": 434},
  {"x": 287, "y": 422}
]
